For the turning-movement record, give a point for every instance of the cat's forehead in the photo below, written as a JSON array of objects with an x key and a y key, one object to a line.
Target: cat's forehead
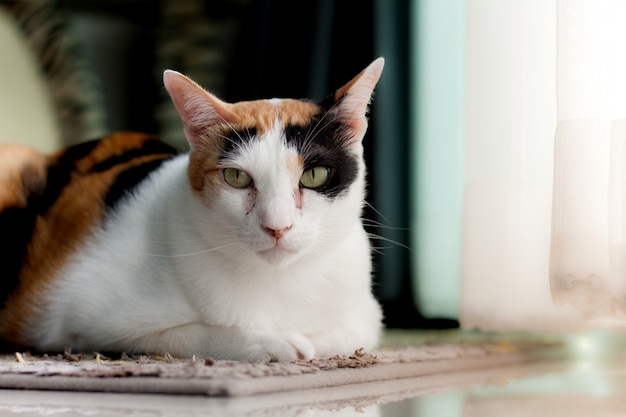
[{"x": 264, "y": 114}]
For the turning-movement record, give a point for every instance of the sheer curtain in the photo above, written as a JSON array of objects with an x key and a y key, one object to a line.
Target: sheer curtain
[
  {"x": 545, "y": 188},
  {"x": 509, "y": 129},
  {"x": 588, "y": 253}
]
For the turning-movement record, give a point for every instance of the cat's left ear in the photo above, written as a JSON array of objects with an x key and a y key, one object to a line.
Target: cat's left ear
[{"x": 352, "y": 100}]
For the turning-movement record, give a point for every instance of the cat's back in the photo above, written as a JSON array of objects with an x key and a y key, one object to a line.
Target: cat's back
[{"x": 49, "y": 204}]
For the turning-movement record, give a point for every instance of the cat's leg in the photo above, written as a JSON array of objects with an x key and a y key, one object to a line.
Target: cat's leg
[
  {"x": 226, "y": 343},
  {"x": 358, "y": 329}
]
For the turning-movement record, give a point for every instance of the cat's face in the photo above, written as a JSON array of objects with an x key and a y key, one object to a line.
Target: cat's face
[
  {"x": 281, "y": 178},
  {"x": 283, "y": 188}
]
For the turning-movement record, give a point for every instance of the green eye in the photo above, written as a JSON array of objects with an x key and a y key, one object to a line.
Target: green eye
[
  {"x": 315, "y": 177},
  {"x": 237, "y": 178}
]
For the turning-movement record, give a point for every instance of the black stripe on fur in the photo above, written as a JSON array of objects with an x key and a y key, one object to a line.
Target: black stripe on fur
[
  {"x": 150, "y": 147},
  {"x": 127, "y": 181}
]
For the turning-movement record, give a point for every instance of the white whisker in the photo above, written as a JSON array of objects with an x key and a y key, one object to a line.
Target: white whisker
[
  {"x": 376, "y": 237},
  {"x": 378, "y": 225},
  {"x": 375, "y": 210},
  {"x": 193, "y": 253}
]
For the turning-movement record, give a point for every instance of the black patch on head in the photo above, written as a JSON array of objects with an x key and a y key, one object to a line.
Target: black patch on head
[
  {"x": 234, "y": 140},
  {"x": 325, "y": 142},
  {"x": 127, "y": 180}
]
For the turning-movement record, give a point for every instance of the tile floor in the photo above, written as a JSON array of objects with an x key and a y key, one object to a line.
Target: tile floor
[{"x": 589, "y": 379}]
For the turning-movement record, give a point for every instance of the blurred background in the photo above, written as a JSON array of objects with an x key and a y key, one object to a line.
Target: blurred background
[{"x": 460, "y": 148}]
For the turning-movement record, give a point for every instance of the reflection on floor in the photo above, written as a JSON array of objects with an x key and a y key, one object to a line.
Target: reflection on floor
[{"x": 586, "y": 378}]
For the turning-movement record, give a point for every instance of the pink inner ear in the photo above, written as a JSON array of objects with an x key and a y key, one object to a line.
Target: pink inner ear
[
  {"x": 355, "y": 97},
  {"x": 197, "y": 107}
]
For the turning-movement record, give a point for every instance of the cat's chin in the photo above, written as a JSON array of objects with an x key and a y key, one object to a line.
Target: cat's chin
[{"x": 278, "y": 256}]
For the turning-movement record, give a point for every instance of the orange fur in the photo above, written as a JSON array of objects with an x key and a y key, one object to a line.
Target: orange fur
[
  {"x": 248, "y": 114},
  {"x": 204, "y": 171},
  {"x": 295, "y": 163},
  {"x": 57, "y": 233},
  {"x": 21, "y": 167},
  {"x": 114, "y": 145},
  {"x": 294, "y": 112},
  {"x": 261, "y": 114}
]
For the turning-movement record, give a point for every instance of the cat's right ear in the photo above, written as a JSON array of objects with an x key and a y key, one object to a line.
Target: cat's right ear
[{"x": 197, "y": 108}]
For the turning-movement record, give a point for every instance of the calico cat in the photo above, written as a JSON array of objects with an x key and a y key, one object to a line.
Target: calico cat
[{"x": 248, "y": 247}]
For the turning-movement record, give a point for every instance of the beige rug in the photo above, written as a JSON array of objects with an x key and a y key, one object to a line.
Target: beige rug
[{"x": 207, "y": 377}]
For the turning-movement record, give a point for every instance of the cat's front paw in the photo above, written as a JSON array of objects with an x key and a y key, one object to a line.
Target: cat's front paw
[{"x": 278, "y": 347}]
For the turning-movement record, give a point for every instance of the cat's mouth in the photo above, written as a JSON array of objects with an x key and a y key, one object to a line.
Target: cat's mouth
[{"x": 278, "y": 254}]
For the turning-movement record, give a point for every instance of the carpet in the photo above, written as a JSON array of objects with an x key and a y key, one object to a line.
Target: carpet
[{"x": 96, "y": 372}]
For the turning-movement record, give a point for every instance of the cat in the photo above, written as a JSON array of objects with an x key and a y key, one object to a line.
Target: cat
[{"x": 250, "y": 246}]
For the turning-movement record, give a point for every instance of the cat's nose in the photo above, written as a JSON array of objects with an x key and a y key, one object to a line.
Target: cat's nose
[{"x": 277, "y": 233}]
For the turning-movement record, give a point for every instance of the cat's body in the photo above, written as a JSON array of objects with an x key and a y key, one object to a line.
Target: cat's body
[{"x": 249, "y": 247}]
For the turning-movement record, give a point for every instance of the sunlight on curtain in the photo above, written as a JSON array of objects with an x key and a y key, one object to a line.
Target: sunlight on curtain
[
  {"x": 588, "y": 253},
  {"x": 509, "y": 136},
  {"x": 437, "y": 97}
]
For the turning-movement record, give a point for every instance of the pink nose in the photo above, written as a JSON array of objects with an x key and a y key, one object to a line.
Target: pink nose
[{"x": 277, "y": 233}]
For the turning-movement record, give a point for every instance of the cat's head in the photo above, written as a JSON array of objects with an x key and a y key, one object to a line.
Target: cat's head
[{"x": 282, "y": 177}]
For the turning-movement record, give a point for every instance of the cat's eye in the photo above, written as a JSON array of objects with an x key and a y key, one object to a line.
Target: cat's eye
[
  {"x": 315, "y": 177},
  {"x": 237, "y": 178}
]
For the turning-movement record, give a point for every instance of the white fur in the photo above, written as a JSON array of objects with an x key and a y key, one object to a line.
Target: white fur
[{"x": 168, "y": 273}]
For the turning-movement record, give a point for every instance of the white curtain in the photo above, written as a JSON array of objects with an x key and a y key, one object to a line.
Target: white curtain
[
  {"x": 544, "y": 244},
  {"x": 509, "y": 128},
  {"x": 588, "y": 252}
]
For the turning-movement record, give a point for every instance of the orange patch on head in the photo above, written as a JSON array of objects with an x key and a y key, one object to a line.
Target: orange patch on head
[
  {"x": 297, "y": 112},
  {"x": 204, "y": 171},
  {"x": 262, "y": 114},
  {"x": 258, "y": 114}
]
